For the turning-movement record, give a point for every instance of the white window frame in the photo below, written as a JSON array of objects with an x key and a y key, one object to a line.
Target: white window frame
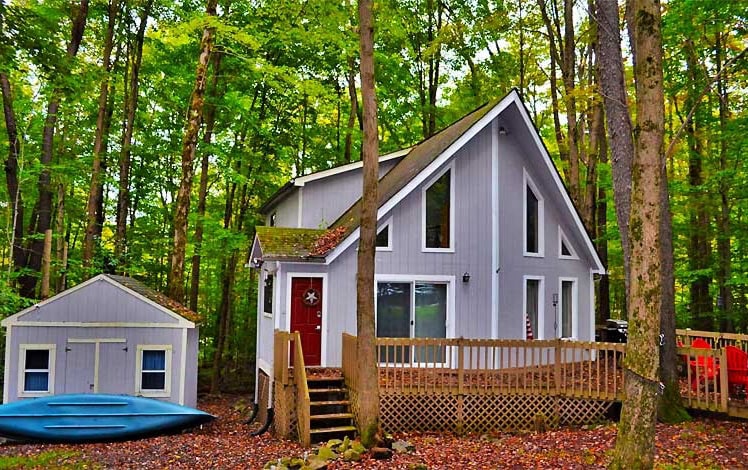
[
  {"x": 541, "y": 305},
  {"x": 527, "y": 182},
  {"x": 388, "y": 225},
  {"x": 451, "y": 247},
  {"x": 166, "y": 391},
  {"x": 413, "y": 279},
  {"x": 22, "y": 392},
  {"x": 574, "y": 307},
  {"x": 265, "y": 275},
  {"x": 563, "y": 239}
]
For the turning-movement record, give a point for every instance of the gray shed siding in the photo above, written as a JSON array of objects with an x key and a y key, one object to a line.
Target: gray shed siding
[
  {"x": 99, "y": 302},
  {"x": 74, "y": 369}
]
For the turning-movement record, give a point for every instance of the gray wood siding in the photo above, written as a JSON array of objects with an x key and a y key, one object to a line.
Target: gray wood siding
[
  {"x": 286, "y": 211},
  {"x": 117, "y": 367},
  {"x": 98, "y": 302},
  {"x": 324, "y": 200}
]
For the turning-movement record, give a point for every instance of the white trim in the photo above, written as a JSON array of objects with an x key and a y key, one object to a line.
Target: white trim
[
  {"x": 258, "y": 335},
  {"x": 324, "y": 322},
  {"x": 13, "y": 319},
  {"x": 414, "y": 278},
  {"x": 166, "y": 392},
  {"x": 299, "y": 213},
  {"x": 451, "y": 248},
  {"x": 265, "y": 367},
  {"x": 511, "y": 98},
  {"x": 183, "y": 370},
  {"x": 557, "y": 179},
  {"x": 97, "y": 363},
  {"x": 574, "y": 307},
  {"x": 78, "y": 324},
  {"x": 528, "y": 183},
  {"x": 592, "y": 306},
  {"x": 388, "y": 225},
  {"x": 302, "y": 180},
  {"x": 540, "y": 334},
  {"x": 562, "y": 238},
  {"x": 6, "y": 375},
  {"x": 495, "y": 254},
  {"x": 96, "y": 340},
  {"x": 21, "y": 385}
]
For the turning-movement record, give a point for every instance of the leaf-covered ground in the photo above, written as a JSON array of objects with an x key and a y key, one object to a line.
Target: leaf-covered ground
[{"x": 226, "y": 443}]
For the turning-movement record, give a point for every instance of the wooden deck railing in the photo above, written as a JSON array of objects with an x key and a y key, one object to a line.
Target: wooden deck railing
[
  {"x": 283, "y": 350},
  {"x": 349, "y": 361},
  {"x": 499, "y": 367},
  {"x": 715, "y": 339}
]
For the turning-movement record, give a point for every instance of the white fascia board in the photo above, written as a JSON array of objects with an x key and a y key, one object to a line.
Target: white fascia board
[
  {"x": 302, "y": 180},
  {"x": 557, "y": 179},
  {"x": 426, "y": 173}
]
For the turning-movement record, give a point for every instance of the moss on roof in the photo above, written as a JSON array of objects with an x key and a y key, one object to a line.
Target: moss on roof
[
  {"x": 289, "y": 243},
  {"x": 157, "y": 297},
  {"x": 414, "y": 162}
]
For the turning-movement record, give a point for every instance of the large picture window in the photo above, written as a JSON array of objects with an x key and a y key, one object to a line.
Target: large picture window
[
  {"x": 438, "y": 214},
  {"x": 412, "y": 309},
  {"x": 154, "y": 370},
  {"x": 533, "y": 218},
  {"x": 36, "y": 369}
]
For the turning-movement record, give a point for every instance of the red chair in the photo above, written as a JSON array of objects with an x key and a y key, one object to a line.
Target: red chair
[
  {"x": 703, "y": 368},
  {"x": 737, "y": 371}
]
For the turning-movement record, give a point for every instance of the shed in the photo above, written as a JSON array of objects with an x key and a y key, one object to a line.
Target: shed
[{"x": 109, "y": 334}]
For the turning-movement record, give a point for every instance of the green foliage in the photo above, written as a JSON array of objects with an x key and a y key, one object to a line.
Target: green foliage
[{"x": 63, "y": 459}]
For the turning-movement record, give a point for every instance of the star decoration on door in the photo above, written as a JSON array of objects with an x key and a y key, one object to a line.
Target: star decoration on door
[{"x": 311, "y": 297}]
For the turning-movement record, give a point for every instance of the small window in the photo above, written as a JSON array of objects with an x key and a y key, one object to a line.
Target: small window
[
  {"x": 438, "y": 226},
  {"x": 533, "y": 218},
  {"x": 384, "y": 240},
  {"x": 568, "y": 307},
  {"x": 154, "y": 370},
  {"x": 565, "y": 249},
  {"x": 267, "y": 294},
  {"x": 271, "y": 219},
  {"x": 533, "y": 307},
  {"x": 37, "y": 369}
]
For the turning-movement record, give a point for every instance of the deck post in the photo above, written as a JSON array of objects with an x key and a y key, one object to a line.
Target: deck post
[
  {"x": 460, "y": 383},
  {"x": 557, "y": 367},
  {"x": 723, "y": 383}
]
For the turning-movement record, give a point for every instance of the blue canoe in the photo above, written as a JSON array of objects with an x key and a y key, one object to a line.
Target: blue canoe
[{"x": 94, "y": 417}]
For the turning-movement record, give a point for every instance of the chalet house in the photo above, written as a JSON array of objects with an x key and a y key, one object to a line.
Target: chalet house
[
  {"x": 109, "y": 334},
  {"x": 476, "y": 235}
]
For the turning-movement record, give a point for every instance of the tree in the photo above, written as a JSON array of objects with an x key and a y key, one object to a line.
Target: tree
[
  {"x": 368, "y": 375},
  {"x": 189, "y": 142},
  {"x": 636, "y": 430}
]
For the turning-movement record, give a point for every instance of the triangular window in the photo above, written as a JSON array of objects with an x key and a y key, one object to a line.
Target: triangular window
[
  {"x": 383, "y": 237},
  {"x": 565, "y": 249}
]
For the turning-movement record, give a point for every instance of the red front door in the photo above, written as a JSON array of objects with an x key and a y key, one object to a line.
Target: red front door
[{"x": 306, "y": 316}]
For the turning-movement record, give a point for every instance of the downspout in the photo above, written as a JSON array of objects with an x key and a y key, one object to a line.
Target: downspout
[{"x": 266, "y": 426}]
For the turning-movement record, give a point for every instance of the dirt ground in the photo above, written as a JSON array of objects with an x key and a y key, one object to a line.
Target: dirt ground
[{"x": 226, "y": 443}]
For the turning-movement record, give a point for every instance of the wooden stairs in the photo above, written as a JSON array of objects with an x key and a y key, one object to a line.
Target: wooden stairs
[{"x": 330, "y": 413}]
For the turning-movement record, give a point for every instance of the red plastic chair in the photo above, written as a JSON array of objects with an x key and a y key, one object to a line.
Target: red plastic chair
[
  {"x": 703, "y": 368},
  {"x": 737, "y": 371}
]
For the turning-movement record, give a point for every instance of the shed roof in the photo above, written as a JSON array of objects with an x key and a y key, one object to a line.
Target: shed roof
[
  {"x": 155, "y": 296},
  {"x": 283, "y": 243}
]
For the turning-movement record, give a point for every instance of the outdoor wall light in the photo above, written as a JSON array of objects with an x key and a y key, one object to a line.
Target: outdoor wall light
[
  {"x": 555, "y": 299},
  {"x": 503, "y": 131},
  {"x": 466, "y": 277}
]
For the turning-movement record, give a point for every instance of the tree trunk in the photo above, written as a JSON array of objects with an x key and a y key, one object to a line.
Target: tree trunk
[
  {"x": 11, "y": 175},
  {"x": 189, "y": 142},
  {"x": 724, "y": 260},
  {"x": 93, "y": 193},
  {"x": 210, "y": 120},
  {"x": 635, "y": 445},
  {"x": 44, "y": 213},
  {"x": 353, "y": 96},
  {"x": 131, "y": 107},
  {"x": 368, "y": 419},
  {"x": 562, "y": 147},
  {"x": 568, "y": 68}
]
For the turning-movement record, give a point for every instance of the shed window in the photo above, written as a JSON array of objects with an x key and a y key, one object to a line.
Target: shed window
[
  {"x": 438, "y": 225},
  {"x": 36, "y": 369},
  {"x": 154, "y": 370}
]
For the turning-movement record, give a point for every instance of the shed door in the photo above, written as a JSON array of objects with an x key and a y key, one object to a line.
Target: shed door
[
  {"x": 79, "y": 367},
  {"x": 306, "y": 316},
  {"x": 116, "y": 374}
]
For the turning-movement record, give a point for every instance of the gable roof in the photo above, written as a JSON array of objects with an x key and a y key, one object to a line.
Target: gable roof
[
  {"x": 186, "y": 317},
  {"x": 426, "y": 157},
  {"x": 284, "y": 243},
  {"x": 317, "y": 175}
]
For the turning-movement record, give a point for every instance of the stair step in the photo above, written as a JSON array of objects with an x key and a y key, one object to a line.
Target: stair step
[
  {"x": 324, "y": 379},
  {"x": 330, "y": 403},
  {"x": 332, "y": 416},
  {"x": 333, "y": 429},
  {"x": 327, "y": 390}
]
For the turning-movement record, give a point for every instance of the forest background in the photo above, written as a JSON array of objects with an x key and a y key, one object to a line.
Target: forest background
[{"x": 99, "y": 110}]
